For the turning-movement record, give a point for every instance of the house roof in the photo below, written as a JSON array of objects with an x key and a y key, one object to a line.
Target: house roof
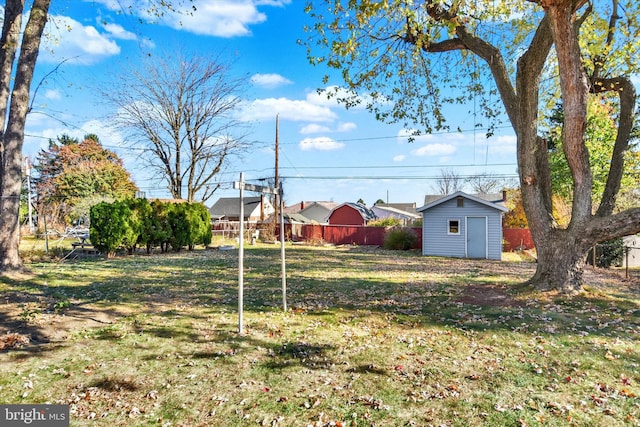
[
  {"x": 391, "y": 211},
  {"x": 304, "y": 205},
  {"x": 488, "y": 200},
  {"x": 327, "y": 205},
  {"x": 296, "y": 217},
  {"x": 366, "y": 213},
  {"x": 230, "y": 206},
  {"x": 407, "y": 207}
]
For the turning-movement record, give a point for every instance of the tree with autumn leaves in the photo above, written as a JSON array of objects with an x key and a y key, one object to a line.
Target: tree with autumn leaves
[
  {"x": 20, "y": 48},
  {"x": 407, "y": 60},
  {"x": 73, "y": 176}
]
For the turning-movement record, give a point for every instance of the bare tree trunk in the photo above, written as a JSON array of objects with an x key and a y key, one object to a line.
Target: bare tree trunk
[{"x": 13, "y": 137}]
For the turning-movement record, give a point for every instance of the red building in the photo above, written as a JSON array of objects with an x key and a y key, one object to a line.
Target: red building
[{"x": 351, "y": 214}]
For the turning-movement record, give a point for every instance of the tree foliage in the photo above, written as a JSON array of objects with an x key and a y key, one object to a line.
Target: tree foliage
[
  {"x": 407, "y": 60},
  {"x": 23, "y": 42},
  {"x": 600, "y": 135},
  {"x": 179, "y": 110},
  {"x": 73, "y": 174},
  {"x": 133, "y": 223}
]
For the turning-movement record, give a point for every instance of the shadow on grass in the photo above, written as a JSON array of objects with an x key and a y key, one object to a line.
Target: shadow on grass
[{"x": 467, "y": 294}]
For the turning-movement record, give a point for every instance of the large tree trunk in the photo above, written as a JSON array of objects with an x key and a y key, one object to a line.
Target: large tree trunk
[
  {"x": 561, "y": 252},
  {"x": 13, "y": 137},
  {"x": 561, "y": 260}
]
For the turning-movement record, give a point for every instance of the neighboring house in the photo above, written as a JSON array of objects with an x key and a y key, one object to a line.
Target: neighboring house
[
  {"x": 462, "y": 225},
  {"x": 228, "y": 209},
  {"x": 631, "y": 253},
  {"x": 406, "y": 207},
  {"x": 317, "y": 211},
  {"x": 351, "y": 214},
  {"x": 386, "y": 211}
]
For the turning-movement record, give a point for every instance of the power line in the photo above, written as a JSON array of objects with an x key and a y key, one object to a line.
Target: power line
[{"x": 394, "y": 177}]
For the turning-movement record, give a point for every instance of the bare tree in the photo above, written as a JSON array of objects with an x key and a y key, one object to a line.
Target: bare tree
[
  {"x": 180, "y": 111},
  {"x": 23, "y": 42},
  {"x": 449, "y": 182},
  {"x": 489, "y": 182}
]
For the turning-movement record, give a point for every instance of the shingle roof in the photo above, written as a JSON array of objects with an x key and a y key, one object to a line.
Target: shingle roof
[
  {"x": 486, "y": 200},
  {"x": 364, "y": 211},
  {"x": 230, "y": 206}
]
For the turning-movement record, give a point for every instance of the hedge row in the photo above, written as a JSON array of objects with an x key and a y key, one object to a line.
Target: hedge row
[{"x": 139, "y": 223}]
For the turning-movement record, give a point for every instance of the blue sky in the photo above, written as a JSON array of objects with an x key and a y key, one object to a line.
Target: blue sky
[{"x": 326, "y": 151}]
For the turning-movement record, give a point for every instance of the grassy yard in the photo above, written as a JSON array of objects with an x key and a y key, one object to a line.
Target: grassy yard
[{"x": 372, "y": 337}]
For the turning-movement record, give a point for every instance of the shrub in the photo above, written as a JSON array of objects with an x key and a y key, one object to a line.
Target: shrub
[
  {"x": 112, "y": 226},
  {"x": 608, "y": 254},
  {"x": 385, "y": 222},
  {"x": 400, "y": 238}
]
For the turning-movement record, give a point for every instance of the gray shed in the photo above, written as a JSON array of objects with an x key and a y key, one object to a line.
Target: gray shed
[{"x": 462, "y": 225}]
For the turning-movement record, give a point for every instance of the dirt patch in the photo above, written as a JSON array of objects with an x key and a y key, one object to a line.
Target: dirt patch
[
  {"x": 488, "y": 295},
  {"x": 32, "y": 320}
]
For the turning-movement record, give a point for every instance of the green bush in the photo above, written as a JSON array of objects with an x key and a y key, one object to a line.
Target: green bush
[
  {"x": 138, "y": 222},
  {"x": 179, "y": 225},
  {"x": 400, "y": 238},
  {"x": 385, "y": 222},
  {"x": 201, "y": 218},
  {"x": 112, "y": 227},
  {"x": 159, "y": 229},
  {"x": 608, "y": 254}
]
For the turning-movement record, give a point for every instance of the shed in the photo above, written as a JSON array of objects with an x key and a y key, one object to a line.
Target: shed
[
  {"x": 351, "y": 214},
  {"x": 462, "y": 225},
  {"x": 631, "y": 255}
]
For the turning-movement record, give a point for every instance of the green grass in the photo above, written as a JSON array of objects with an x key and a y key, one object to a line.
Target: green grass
[{"x": 372, "y": 337}]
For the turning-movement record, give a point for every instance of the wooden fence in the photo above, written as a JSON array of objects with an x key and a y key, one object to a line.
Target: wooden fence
[{"x": 513, "y": 238}]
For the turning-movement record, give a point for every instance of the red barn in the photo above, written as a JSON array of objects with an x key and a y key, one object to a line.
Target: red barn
[{"x": 351, "y": 214}]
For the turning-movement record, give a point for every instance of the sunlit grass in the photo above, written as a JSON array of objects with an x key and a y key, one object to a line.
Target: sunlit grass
[{"x": 371, "y": 337}]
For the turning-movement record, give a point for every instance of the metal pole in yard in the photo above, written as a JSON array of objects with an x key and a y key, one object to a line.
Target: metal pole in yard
[
  {"x": 241, "y": 254},
  {"x": 282, "y": 255},
  {"x": 626, "y": 261}
]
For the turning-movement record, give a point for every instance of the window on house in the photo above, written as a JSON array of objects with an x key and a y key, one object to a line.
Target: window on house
[
  {"x": 454, "y": 226},
  {"x": 460, "y": 201}
]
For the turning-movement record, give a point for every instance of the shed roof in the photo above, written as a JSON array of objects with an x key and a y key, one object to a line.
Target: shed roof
[{"x": 487, "y": 200}]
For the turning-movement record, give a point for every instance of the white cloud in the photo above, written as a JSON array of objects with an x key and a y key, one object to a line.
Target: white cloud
[
  {"x": 320, "y": 143},
  {"x": 287, "y": 109},
  {"x": 399, "y": 158},
  {"x": 314, "y": 128},
  {"x": 435, "y": 150},
  {"x": 505, "y": 141},
  {"x": 219, "y": 18},
  {"x": 69, "y": 39},
  {"x": 346, "y": 127},
  {"x": 118, "y": 32},
  {"x": 52, "y": 94},
  {"x": 269, "y": 80}
]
